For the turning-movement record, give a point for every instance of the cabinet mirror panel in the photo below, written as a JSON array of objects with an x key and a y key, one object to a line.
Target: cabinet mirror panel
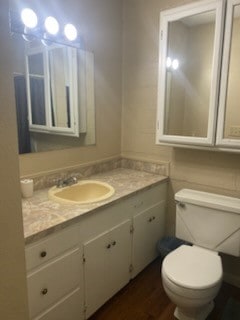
[
  {"x": 188, "y": 77},
  {"x": 36, "y": 86},
  {"x": 54, "y": 94},
  {"x": 190, "y": 44},
  {"x": 232, "y": 115},
  {"x": 59, "y": 86}
]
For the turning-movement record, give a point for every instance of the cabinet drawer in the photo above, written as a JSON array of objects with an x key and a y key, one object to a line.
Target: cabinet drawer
[
  {"x": 53, "y": 281},
  {"x": 148, "y": 198},
  {"x": 51, "y": 247},
  {"x": 68, "y": 308}
]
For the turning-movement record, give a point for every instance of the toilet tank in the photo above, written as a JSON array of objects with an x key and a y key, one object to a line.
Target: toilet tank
[{"x": 208, "y": 220}]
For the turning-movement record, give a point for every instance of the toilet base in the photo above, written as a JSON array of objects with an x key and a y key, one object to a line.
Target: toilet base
[{"x": 194, "y": 314}]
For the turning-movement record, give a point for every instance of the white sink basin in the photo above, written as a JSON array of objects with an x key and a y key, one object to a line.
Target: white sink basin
[{"x": 83, "y": 192}]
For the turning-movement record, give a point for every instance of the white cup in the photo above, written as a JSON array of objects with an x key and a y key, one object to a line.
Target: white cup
[{"x": 27, "y": 188}]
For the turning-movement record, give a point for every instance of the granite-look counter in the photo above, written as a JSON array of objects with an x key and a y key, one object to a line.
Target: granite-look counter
[{"x": 42, "y": 216}]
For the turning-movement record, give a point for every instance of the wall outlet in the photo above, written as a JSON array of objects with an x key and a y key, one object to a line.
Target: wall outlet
[{"x": 235, "y": 131}]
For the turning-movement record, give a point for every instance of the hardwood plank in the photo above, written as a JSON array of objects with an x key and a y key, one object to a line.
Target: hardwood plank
[{"x": 144, "y": 299}]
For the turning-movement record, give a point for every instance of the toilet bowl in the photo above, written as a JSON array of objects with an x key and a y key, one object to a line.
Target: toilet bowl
[{"x": 192, "y": 275}]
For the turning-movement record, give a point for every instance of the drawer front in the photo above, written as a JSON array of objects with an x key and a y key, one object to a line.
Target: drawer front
[
  {"x": 148, "y": 198},
  {"x": 53, "y": 281},
  {"x": 71, "y": 308},
  {"x": 51, "y": 247}
]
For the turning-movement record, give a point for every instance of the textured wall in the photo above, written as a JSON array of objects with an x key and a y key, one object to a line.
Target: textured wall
[{"x": 13, "y": 295}]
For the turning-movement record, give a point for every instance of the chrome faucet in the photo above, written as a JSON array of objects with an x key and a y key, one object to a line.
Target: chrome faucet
[{"x": 66, "y": 182}]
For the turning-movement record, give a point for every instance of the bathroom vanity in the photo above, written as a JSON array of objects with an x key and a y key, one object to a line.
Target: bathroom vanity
[{"x": 78, "y": 257}]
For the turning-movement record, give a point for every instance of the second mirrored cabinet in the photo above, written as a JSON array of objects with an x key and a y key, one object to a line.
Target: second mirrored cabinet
[{"x": 191, "y": 108}]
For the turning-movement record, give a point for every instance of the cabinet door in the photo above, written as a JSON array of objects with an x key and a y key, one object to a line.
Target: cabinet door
[
  {"x": 107, "y": 261},
  {"x": 190, "y": 56},
  {"x": 228, "y": 133},
  {"x": 120, "y": 258},
  {"x": 96, "y": 255},
  {"x": 148, "y": 229}
]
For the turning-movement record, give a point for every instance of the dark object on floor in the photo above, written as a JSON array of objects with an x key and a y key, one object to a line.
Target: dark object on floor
[
  {"x": 231, "y": 310},
  {"x": 168, "y": 244}
]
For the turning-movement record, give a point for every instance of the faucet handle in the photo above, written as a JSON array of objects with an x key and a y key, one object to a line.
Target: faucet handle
[{"x": 60, "y": 183}]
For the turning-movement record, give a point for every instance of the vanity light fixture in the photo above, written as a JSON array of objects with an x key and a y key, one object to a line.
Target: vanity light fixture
[
  {"x": 174, "y": 64},
  {"x": 70, "y": 32},
  {"x": 51, "y": 25},
  {"x": 168, "y": 62},
  {"x": 45, "y": 28},
  {"x": 29, "y": 18}
]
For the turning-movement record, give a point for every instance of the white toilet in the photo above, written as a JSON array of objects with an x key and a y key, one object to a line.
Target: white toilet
[{"x": 192, "y": 275}]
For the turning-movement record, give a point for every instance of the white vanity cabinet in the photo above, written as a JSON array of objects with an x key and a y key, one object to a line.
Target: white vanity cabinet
[
  {"x": 121, "y": 242},
  {"x": 106, "y": 268},
  {"x": 73, "y": 272},
  {"x": 55, "y": 277},
  {"x": 148, "y": 229}
]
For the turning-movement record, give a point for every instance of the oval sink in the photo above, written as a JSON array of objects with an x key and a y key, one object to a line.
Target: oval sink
[{"x": 83, "y": 192}]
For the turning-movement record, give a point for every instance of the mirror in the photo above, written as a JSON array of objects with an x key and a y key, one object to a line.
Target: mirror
[
  {"x": 188, "y": 79},
  {"x": 54, "y": 94},
  {"x": 190, "y": 44},
  {"x": 232, "y": 115}
]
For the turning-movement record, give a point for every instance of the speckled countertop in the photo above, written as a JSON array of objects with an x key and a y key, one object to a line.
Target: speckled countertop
[{"x": 42, "y": 216}]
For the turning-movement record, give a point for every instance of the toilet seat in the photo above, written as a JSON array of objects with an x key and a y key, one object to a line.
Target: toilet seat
[{"x": 193, "y": 268}]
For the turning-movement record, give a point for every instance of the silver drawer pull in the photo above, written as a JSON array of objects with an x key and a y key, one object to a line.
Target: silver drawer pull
[{"x": 44, "y": 291}]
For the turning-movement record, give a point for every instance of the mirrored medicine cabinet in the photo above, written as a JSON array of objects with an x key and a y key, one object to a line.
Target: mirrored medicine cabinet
[
  {"x": 199, "y": 74},
  {"x": 56, "y": 103}
]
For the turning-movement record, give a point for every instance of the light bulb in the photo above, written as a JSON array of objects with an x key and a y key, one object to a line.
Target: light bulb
[
  {"x": 168, "y": 62},
  {"x": 51, "y": 25},
  {"x": 70, "y": 32},
  {"x": 175, "y": 64},
  {"x": 29, "y": 18}
]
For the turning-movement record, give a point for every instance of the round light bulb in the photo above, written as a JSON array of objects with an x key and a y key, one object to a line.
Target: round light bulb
[
  {"x": 168, "y": 62},
  {"x": 175, "y": 64},
  {"x": 70, "y": 32},
  {"x": 51, "y": 25},
  {"x": 29, "y": 18}
]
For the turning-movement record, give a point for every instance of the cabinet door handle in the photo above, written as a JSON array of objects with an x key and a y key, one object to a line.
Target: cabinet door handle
[
  {"x": 150, "y": 220},
  {"x": 108, "y": 246},
  {"x": 44, "y": 291},
  {"x": 114, "y": 243},
  {"x": 43, "y": 254},
  {"x": 153, "y": 217}
]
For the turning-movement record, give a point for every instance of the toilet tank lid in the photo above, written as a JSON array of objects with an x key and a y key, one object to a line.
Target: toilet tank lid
[{"x": 209, "y": 200}]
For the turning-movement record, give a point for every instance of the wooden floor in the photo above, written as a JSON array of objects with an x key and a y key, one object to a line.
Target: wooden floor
[{"x": 144, "y": 299}]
